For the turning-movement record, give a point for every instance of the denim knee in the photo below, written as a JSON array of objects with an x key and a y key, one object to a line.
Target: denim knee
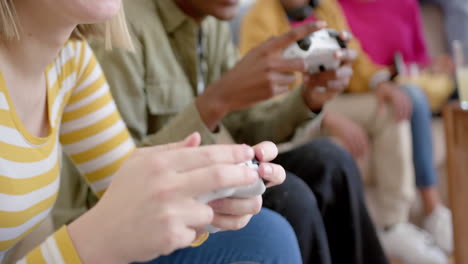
[
  {"x": 268, "y": 238},
  {"x": 418, "y": 99},
  {"x": 278, "y": 240},
  {"x": 422, "y": 138}
]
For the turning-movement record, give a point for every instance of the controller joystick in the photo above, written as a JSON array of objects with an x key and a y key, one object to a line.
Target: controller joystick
[
  {"x": 304, "y": 44},
  {"x": 335, "y": 34}
]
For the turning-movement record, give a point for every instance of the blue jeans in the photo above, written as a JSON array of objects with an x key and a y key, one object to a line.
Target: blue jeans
[
  {"x": 268, "y": 238},
  {"x": 421, "y": 131}
]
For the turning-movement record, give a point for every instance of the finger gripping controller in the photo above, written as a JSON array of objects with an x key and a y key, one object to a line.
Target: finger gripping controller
[
  {"x": 318, "y": 50},
  {"x": 247, "y": 191}
]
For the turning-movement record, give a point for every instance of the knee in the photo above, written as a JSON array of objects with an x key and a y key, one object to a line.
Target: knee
[
  {"x": 271, "y": 220},
  {"x": 418, "y": 98},
  {"x": 324, "y": 153},
  {"x": 297, "y": 196},
  {"x": 279, "y": 239},
  {"x": 329, "y": 165}
]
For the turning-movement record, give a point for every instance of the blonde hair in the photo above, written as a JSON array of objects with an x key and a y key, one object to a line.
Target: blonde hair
[{"x": 115, "y": 31}]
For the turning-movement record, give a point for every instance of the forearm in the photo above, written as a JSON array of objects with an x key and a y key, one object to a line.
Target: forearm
[
  {"x": 211, "y": 109},
  {"x": 183, "y": 124},
  {"x": 275, "y": 120}
]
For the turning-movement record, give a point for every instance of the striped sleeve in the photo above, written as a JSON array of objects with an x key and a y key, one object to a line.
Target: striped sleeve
[
  {"x": 96, "y": 139},
  {"x": 57, "y": 249},
  {"x": 92, "y": 132}
]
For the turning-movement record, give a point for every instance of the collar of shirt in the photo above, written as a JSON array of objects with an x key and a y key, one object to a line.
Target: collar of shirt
[
  {"x": 185, "y": 40},
  {"x": 172, "y": 16}
]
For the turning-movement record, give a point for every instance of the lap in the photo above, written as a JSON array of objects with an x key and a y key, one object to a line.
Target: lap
[{"x": 268, "y": 238}]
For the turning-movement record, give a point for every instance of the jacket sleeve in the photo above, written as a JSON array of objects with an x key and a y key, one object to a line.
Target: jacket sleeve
[
  {"x": 183, "y": 124},
  {"x": 126, "y": 74},
  {"x": 274, "y": 120}
]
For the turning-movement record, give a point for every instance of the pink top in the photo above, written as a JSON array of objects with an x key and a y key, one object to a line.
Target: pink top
[{"x": 385, "y": 27}]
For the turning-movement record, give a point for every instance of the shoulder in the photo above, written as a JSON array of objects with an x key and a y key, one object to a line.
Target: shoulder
[
  {"x": 72, "y": 56},
  {"x": 141, "y": 14},
  {"x": 265, "y": 5},
  {"x": 267, "y": 9},
  {"x": 267, "y": 16},
  {"x": 74, "y": 63},
  {"x": 329, "y": 5},
  {"x": 141, "y": 9}
]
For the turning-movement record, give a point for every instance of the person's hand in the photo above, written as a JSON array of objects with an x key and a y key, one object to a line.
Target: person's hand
[
  {"x": 232, "y": 212},
  {"x": 260, "y": 75},
  {"x": 349, "y": 133},
  {"x": 442, "y": 64},
  {"x": 272, "y": 173},
  {"x": 391, "y": 94},
  {"x": 321, "y": 87},
  {"x": 150, "y": 208}
]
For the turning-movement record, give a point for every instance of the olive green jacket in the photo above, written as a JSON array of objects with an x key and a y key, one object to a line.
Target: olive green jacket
[{"x": 155, "y": 87}]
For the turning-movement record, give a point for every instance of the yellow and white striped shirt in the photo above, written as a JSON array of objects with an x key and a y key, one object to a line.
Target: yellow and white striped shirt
[{"x": 85, "y": 122}]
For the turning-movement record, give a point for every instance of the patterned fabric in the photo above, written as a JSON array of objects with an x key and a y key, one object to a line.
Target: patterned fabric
[{"x": 83, "y": 119}]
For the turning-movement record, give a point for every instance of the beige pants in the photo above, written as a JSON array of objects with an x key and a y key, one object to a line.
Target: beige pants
[{"x": 389, "y": 166}]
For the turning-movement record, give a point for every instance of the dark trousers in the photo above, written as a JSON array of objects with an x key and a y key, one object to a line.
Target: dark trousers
[{"x": 322, "y": 198}]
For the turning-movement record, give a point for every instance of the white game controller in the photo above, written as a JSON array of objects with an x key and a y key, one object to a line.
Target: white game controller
[
  {"x": 248, "y": 191},
  {"x": 318, "y": 50}
]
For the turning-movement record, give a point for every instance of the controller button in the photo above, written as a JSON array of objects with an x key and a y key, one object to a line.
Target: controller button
[
  {"x": 341, "y": 43},
  {"x": 304, "y": 44}
]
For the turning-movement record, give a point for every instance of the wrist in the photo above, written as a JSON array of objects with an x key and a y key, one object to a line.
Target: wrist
[
  {"x": 92, "y": 242},
  {"x": 327, "y": 119},
  {"x": 314, "y": 106},
  {"x": 384, "y": 85},
  {"x": 212, "y": 108},
  {"x": 381, "y": 76},
  {"x": 380, "y": 85}
]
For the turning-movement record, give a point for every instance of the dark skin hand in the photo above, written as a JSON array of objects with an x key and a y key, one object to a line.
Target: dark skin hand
[
  {"x": 348, "y": 132},
  {"x": 264, "y": 73},
  {"x": 390, "y": 93},
  {"x": 334, "y": 82}
]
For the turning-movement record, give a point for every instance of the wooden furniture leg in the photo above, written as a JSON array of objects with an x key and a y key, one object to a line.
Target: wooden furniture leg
[{"x": 456, "y": 133}]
